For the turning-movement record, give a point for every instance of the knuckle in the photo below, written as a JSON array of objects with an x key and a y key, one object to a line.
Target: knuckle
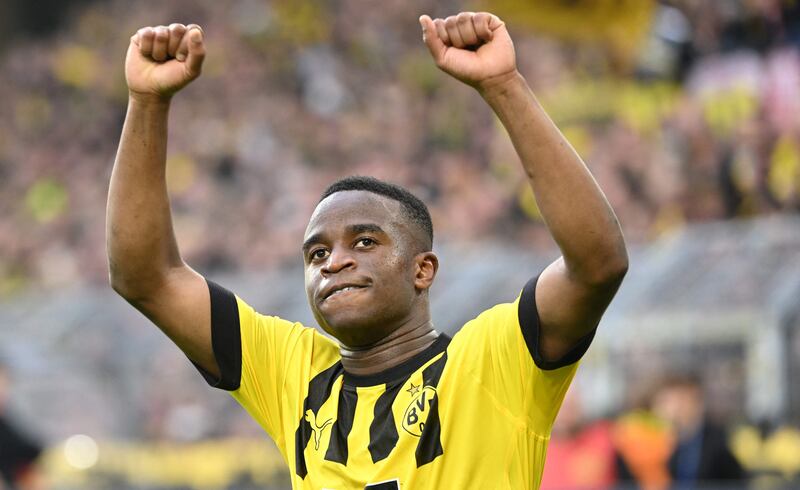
[
  {"x": 464, "y": 17},
  {"x": 450, "y": 21}
]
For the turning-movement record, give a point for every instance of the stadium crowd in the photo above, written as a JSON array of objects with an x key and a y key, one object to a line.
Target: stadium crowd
[{"x": 699, "y": 122}]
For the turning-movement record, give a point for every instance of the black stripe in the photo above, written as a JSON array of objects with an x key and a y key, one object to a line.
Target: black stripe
[
  {"x": 337, "y": 448},
  {"x": 383, "y": 429},
  {"x": 429, "y": 446},
  {"x": 226, "y": 339},
  {"x": 319, "y": 390},
  {"x": 529, "y": 323},
  {"x": 430, "y": 442},
  {"x": 432, "y": 373},
  {"x": 386, "y": 485}
]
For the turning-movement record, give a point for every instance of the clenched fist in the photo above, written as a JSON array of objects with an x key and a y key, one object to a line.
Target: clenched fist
[
  {"x": 472, "y": 47},
  {"x": 162, "y": 60}
]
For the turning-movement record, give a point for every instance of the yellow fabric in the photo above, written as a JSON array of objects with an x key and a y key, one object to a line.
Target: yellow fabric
[
  {"x": 496, "y": 407},
  {"x": 621, "y": 24}
]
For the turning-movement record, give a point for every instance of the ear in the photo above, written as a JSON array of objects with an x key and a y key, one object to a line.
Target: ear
[{"x": 425, "y": 266}]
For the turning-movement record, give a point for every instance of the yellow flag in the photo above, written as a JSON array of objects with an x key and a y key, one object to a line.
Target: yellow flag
[{"x": 620, "y": 24}]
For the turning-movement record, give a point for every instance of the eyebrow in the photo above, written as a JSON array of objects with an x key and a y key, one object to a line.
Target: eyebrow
[
  {"x": 351, "y": 230},
  {"x": 364, "y": 228}
]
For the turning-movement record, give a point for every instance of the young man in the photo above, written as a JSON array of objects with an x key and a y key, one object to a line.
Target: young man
[
  {"x": 701, "y": 455},
  {"x": 393, "y": 404}
]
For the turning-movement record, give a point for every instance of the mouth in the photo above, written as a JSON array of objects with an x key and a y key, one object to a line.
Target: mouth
[{"x": 341, "y": 291}]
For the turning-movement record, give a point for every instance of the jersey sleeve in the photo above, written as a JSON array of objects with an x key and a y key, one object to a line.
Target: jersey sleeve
[
  {"x": 257, "y": 354},
  {"x": 501, "y": 349}
]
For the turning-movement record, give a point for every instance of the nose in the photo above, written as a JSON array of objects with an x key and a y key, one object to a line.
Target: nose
[{"x": 339, "y": 260}]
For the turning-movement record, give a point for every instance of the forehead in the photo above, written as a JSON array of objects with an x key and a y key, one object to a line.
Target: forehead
[{"x": 352, "y": 207}]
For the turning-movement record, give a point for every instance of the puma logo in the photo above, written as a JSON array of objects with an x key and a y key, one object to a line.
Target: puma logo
[{"x": 312, "y": 419}]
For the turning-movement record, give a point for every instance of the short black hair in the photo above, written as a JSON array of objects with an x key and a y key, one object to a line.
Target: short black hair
[
  {"x": 682, "y": 379},
  {"x": 413, "y": 208}
]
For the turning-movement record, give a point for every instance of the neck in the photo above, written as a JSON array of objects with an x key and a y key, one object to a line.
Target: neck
[{"x": 396, "y": 348}]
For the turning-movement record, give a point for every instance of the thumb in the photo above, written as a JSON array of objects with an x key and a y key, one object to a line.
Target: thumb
[
  {"x": 197, "y": 52},
  {"x": 431, "y": 38},
  {"x": 495, "y": 23}
]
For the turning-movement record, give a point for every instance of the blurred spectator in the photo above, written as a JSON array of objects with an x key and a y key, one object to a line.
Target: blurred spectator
[
  {"x": 580, "y": 455},
  {"x": 701, "y": 454},
  {"x": 18, "y": 452},
  {"x": 643, "y": 443}
]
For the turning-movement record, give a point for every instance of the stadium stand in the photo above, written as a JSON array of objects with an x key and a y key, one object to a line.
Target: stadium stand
[{"x": 711, "y": 135}]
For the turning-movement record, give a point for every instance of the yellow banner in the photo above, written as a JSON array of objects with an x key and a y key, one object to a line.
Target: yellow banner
[
  {"x": 621, "y": 24},
  {"x": 207, "y": 465}
]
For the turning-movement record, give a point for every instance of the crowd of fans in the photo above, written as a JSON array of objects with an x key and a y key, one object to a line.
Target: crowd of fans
[
  {"x": 672, "y": 441},
  {"x": 700, "y": 122}
]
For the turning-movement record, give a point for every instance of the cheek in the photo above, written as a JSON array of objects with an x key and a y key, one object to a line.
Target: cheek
[
  {"x": 399, "y": 276},
  {"x": 311, "y": 279}
]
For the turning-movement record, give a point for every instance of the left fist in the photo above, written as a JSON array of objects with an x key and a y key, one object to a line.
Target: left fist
[{"x": 472, "y": 47}]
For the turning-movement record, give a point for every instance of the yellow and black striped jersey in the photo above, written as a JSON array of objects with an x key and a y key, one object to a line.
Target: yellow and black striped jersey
[{"x": 474, "y": 411}]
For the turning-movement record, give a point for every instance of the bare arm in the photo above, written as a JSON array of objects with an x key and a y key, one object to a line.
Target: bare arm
[
  {"x": 145, "y": 265},
  {"x": 574, "y": 291}
]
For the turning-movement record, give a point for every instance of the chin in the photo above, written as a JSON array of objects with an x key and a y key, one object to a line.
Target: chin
[
  {"x": 353, "y": 329},
  {"x": 350, "y": 330}
]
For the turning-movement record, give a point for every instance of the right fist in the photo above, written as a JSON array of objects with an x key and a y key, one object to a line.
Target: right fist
[{"x": 162, "y": 60}]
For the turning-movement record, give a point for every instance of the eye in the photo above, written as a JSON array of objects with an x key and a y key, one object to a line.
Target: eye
[
  {"x": 318, "y": 254},
  {"x": 364, "y": 242}
]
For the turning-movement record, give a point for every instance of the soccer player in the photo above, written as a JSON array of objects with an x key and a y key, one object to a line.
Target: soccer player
[{"x": 393, "y": 403}]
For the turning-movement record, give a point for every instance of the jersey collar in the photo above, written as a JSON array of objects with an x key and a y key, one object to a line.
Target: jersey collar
[{"x": 402, "y": 370}]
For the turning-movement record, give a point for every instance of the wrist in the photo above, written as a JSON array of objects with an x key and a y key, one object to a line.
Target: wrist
[
  {"x": 499, "y": 85},
  {"x": 148, "y": 100}
]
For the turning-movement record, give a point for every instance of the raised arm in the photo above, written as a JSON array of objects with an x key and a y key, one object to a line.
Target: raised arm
[
  {"x": 145, "y": 265},
  {"x": 573, "y": 292}
]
